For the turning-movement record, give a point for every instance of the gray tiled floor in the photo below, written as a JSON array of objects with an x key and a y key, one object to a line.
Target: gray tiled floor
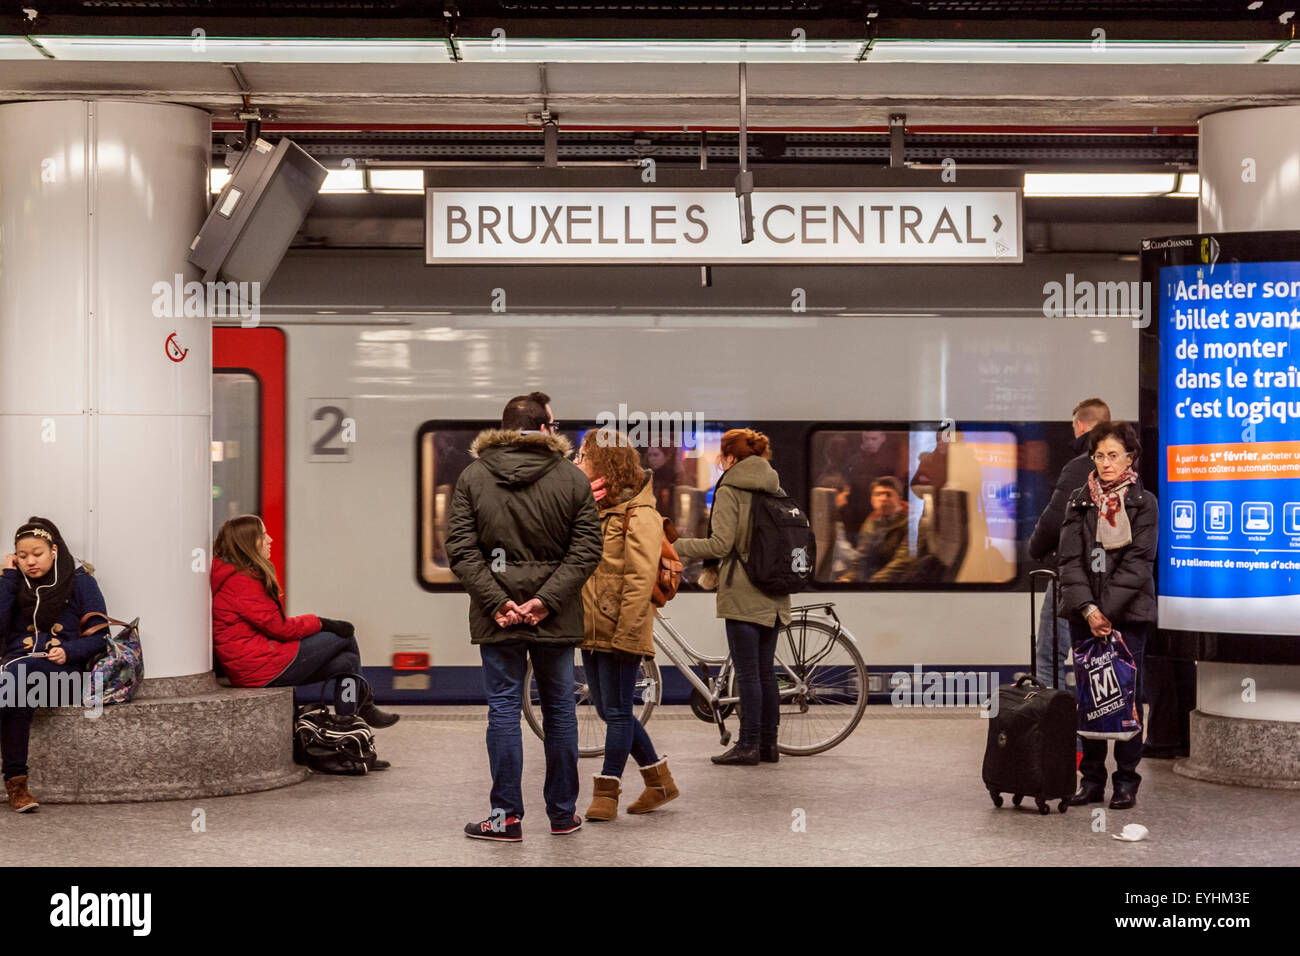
[{"x": 904, "y": 790}]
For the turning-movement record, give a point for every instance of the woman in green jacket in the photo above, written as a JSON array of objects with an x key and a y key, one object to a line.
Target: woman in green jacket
[{"x": 752, "y": 617}]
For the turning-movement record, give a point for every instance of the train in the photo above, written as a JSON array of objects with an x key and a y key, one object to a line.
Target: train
[{"x": 344, "y": 412}]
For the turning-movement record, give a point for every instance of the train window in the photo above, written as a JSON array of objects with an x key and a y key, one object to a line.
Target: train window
[
  {"x": 236, "y": 445},
  {"x": 914, "y": 507},
  {"x": 683, "y": 471}
]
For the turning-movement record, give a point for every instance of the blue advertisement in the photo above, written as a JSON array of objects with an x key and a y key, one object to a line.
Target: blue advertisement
[{"x": 1229, "y": 435}]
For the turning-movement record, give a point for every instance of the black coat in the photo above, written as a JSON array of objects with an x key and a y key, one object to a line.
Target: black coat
[
  {"x": 1047, "y": 533},
  {"x": 523, "y": 524},
  {"x": 1124, "y": 587}
]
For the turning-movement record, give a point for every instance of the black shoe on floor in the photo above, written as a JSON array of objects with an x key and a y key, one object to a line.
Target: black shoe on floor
[
  {"x": 769, "y": 753},
  {"x": 1088, "y": 793},
  {"x": 1163, "y": 753},
  {"x": 376, "y": 718},
  {"x": 738, "y": 756},
  {"x": 1124, "y": 798},
  {"x": 561, "y": 829},
  {"x": 374, "y": 763},
  {"x": 509, "y": 830}
]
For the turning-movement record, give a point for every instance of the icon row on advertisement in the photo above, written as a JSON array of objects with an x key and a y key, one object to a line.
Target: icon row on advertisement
[{"x": 1216, "y": 517}]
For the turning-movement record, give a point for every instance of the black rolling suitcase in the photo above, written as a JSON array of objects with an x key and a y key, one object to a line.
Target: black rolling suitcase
[{"x": 1030, "y": 750}]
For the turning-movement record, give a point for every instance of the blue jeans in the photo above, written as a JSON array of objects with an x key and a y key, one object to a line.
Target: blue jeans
[
  {"x": 16, "y": 720},
  {"x": 321, "y": 657},
  {"x": 1043, "y": 665},
  {"x": 1127, "y": 752},
  {"x": 611, "y": 677},
  {"x": 753, "y": 651},
  {"x": 503, "y": 681}
]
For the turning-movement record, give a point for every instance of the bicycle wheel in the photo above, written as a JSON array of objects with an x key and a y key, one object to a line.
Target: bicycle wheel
[
  {"x": 823, "y": 685},
  {"x": 591, "y": 729}
]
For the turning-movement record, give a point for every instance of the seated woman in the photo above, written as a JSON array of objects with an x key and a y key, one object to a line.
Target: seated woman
[
  {"x": 256, "y": 644},
  {"x": 43, "y": 595}
]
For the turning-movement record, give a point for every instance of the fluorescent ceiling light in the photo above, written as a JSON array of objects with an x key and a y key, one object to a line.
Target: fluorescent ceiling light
[
  {"x": 218, "y": 176},
  {"x": 509, "y": 50},
  {"x": 1068, "y": 51},
  {"x": 17, "y": 48},
  {"x": 397, "y": 180},
  {"x": 202, "y": 49},
  {"x": 343, "y": 181},
  {"x": 1098, "y": 184},
  {"x": 1189, "y": 184}
]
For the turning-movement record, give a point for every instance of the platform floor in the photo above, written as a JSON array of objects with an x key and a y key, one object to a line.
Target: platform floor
[{"x": 904, "y": 790}]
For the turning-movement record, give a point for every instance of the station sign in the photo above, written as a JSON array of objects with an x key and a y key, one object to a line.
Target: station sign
[{"x": 685, "y": 225}]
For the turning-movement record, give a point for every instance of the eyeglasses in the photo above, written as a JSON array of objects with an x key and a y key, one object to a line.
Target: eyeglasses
[
  {"x": 1112, "y": 457},
  {"x": 552, "y": 427}
]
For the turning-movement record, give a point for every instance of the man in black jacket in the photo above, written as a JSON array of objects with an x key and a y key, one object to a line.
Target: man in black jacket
[
  {"x": 523, "y": 535},
  {"x": 1047, "y": 533}
]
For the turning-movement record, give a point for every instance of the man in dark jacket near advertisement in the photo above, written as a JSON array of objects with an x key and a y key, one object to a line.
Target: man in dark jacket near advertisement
[
  {"x": 523, "y": 535},
  {"x": 1042, "y": 543}
]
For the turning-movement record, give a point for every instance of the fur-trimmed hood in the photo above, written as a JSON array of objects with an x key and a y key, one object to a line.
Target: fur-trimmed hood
[{"x": 519, "y": 459}]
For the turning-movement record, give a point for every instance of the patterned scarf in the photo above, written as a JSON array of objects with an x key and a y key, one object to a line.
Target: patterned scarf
[{"x": 1113, "y": 529}]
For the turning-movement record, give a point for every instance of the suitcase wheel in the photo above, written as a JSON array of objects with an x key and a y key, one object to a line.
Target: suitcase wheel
[
  {"x": 1043, "y": 807},
  {"x": 1063, "y": 806},
  {"x": 1016, "y": 799},
  {"x": 996, "y": 797}
]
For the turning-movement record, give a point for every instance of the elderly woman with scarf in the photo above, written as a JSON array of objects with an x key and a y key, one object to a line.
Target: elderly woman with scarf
[
  {"x": 43, "y": 596},
  {"x": 1107, "y": 558}
]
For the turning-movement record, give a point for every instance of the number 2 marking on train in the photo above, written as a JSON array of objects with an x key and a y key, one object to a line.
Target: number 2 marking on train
[{"x": 328, "y": 446}]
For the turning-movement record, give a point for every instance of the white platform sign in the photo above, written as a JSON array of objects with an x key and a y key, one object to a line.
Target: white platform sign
[{"x": 650, "y": 226}]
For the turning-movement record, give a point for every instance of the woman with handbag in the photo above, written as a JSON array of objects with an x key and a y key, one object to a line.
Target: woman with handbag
[
  {"x": 1107, "y": 559},
  {"x": 258, "y": 645},
  {"x": 43, "y": 596},
  {"x": 619, "y": 618},
  {"x": 752, "y": 617}
]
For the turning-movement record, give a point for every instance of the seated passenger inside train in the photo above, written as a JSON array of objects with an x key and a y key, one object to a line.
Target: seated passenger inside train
[
  {"x": 43, "y": 596},
  {"x": 881, "y": 554},
  {"x": 258, "y": 645}
]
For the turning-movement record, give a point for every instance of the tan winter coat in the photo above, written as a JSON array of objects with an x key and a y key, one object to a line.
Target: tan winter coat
[{"x": 616, "y": 598}]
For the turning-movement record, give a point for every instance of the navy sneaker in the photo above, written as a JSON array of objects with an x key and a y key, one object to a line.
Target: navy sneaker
[
  {"x": 509, "y": 830},
  {"x": 561, "y": 829}
]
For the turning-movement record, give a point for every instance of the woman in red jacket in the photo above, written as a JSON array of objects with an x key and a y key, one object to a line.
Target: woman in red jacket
[{"x": 256, "y": 644}]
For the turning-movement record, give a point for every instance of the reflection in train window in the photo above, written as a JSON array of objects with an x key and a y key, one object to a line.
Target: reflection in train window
[
  {"x": 236, "y": 445},
  {"x": 914, "y": 507},
  {"x": 683, "y": 474}
]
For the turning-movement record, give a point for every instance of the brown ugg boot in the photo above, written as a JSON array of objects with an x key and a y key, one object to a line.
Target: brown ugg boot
[
  {"x": 604, "y": 798},
  {"x": 19, "y": 798},
  {"x": 659, "y": 788}
]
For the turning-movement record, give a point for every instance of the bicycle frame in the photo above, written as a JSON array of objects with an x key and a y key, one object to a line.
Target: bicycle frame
[{"x": 676, "y": 647}]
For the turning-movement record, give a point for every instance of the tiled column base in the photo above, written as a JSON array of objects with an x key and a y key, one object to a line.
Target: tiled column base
[
  {"x": 1242, "y": 752},
  {"x": 179, "y": 738}
]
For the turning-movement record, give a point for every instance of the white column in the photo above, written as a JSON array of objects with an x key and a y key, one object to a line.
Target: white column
[
  {"x": 1250, "y": 182},
  {"x": 100, "y": 430}
]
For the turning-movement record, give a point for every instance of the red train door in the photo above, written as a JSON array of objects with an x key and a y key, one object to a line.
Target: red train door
[{"x": 248, "y": 432}]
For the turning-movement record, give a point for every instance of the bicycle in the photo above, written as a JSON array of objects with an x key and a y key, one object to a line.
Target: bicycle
[{"x": 821, "y": 677}]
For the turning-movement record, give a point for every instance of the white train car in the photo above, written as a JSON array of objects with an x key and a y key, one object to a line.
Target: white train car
[{"x": 344, "y": 417}]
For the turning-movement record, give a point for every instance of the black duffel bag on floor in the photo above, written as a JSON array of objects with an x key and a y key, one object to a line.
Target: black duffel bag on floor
[{"x": 333, "y": 743}]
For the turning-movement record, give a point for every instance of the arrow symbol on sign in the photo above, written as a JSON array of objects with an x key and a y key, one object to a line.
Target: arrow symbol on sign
[{"x": 997, "y": 222}]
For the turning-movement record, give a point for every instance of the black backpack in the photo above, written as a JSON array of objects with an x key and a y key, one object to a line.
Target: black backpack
[{"x": 782, "y": 548}]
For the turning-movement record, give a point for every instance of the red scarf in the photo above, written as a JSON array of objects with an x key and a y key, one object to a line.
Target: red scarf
[{"x": 1113, "y": 530}]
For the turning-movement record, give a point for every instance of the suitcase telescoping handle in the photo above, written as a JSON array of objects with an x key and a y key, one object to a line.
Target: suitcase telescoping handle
[{"x": 1054, "y": 582}]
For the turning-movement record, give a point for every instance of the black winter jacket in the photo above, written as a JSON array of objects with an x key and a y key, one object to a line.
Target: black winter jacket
[
  {"x": 1047, "y": 533},
  {"x": 1124, "y": 586},
  {"x": 523, "y": 524}
]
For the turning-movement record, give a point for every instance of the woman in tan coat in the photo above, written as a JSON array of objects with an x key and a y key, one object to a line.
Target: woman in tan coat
[
  {"x": 752, "y": 617},
  {"x": 619, "y": 618}
]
